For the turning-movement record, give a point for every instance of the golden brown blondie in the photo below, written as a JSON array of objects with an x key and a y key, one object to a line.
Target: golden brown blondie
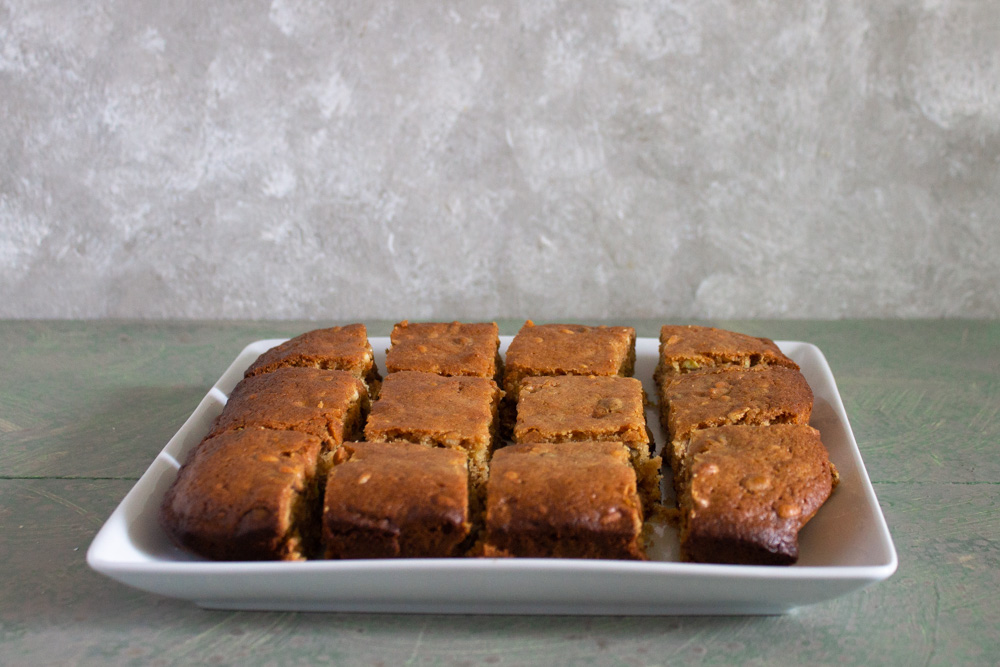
[
  {"x": 247, "y": 495},
  {"x": 331, "y": 405},
  {"x": 446, "y": 348},
  {"x": 563, "y": 500},
  {"x": 751, "y": 490},
  {"x": 396, "y": 500}
]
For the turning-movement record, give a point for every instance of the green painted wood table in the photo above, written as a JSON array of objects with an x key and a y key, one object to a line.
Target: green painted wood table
[{"x": 86, "y": 406}]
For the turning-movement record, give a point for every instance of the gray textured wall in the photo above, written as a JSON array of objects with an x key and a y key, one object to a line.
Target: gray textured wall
[{"x": 584, "y": 159}]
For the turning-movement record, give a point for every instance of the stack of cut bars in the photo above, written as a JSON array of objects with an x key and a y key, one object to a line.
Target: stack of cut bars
[
  {"x": 435, "y": 425},
  {"x": 253, "y": 488},
  {"x": 748, "y": 470},
  {"x": 574, "y": 483},
  {"x": 563, "y": 494},
  {"x": 284, "y": 474}
]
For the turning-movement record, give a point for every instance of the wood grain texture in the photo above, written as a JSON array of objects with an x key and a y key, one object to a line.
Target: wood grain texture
[{"x": 85, "y": 406}]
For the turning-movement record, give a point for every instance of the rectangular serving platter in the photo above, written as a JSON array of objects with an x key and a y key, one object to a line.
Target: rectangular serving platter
[{"x": 846, "y": 546}]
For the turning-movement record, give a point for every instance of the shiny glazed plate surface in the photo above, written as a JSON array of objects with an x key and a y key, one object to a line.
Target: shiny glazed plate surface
[{"x": 845, "y": 547}]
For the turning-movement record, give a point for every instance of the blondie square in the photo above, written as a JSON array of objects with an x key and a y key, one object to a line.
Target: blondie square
[
  {"x": 563, "y": 500},
  {"x": 705, "y": 399},
  {"x": 331, "y": 405},
  {"x": 396, "y": 500},
  {"x": 573, "y": 408},
  {"x": 457, "y": 412},
  {"x": 454, "y": 348},
  {"x": 247, "y": 495},
  {"x": 688, "y": 348},
  {"x": 751, "y": 490},
  {"x": 343, "y": 348},
  {"x": 564, "y": 349}
]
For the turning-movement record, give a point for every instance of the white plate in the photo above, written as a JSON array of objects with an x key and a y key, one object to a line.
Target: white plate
[{"x": 844, "y": 548}]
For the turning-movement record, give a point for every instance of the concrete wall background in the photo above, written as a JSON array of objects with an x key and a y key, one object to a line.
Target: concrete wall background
[{"x": 347, "y": 160}]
